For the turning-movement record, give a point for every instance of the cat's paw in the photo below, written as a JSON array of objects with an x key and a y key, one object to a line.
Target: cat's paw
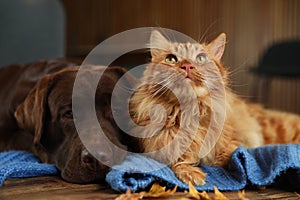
[{"x": 188, "y": 173}]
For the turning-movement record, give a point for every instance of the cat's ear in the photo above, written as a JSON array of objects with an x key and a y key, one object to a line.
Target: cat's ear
[
  {"x": 158, "y": 43},
  {"x": 217, "y": 46}
]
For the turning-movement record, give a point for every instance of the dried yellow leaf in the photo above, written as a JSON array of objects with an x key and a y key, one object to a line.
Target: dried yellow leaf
[
  {"x": 204, "y": 195},
  {"x": 219, "y": 195},
  {"x": 156, "y": 188},
  {"x": 158, "y": 191},
  {"x": 197, "y": 195},
  {"x": 193, "y": 192}
]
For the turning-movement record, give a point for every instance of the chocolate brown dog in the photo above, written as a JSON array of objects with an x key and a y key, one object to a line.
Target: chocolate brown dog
[{"x": 36, "y": 115}]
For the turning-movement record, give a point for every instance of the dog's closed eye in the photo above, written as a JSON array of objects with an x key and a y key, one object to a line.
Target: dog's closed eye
[{"x": 68, "y": 114}]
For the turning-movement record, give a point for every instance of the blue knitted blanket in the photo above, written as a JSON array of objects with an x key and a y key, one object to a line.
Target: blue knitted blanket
[
  {"x": 19, "y": 164},
  {"x": 276, "y": 166}
]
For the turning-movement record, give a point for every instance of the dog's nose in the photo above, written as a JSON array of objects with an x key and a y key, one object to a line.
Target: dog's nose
[{"x": 93, "y": 163}]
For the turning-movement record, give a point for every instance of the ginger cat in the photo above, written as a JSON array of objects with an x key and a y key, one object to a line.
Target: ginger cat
[{"x": 183, "y": 98}]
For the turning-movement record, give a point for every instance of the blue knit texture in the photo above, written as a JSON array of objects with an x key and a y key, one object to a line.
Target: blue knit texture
[
  {"x": 276, "y": 166},
  {"x": 19, "y": 164}
]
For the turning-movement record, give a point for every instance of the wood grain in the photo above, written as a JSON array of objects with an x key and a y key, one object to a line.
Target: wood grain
[
  {"x": 48, "y": 188},
  {"x": 251, "y": 27}
]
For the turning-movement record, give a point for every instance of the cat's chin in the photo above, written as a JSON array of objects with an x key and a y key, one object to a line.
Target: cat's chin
[
  {"x": 188, "y": 80},
  {"x": 198, "y": 90}
]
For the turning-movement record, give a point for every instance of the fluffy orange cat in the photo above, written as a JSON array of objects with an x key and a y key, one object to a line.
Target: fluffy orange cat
[{"x": 186, "y": 115}]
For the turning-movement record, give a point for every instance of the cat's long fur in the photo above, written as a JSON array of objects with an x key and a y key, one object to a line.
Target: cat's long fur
[{"x": 173, "y": 106}]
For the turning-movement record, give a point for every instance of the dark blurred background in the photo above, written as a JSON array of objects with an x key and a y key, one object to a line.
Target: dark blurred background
[{"x": 72, "y": 28}]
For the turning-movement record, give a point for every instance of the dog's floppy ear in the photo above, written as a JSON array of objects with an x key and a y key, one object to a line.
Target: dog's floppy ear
[{"x": 30, "y": 114}]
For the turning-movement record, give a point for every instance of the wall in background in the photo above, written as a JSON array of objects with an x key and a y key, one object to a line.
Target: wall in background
[
  {"x": 31, "y": 30},
  {"x": 251, "y": 26}
]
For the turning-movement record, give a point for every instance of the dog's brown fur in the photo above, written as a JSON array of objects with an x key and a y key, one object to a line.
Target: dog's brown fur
[{"x": 36, "y": 115}]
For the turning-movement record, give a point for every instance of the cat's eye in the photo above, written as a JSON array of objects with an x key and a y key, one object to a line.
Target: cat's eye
[
  {"x": 171, "y": 59},
  {"x": 201, "y": 58}
]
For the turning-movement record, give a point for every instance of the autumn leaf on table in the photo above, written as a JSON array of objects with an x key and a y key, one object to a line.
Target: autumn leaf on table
[
  {"x": 155, "y": 191},
  {"x": 158, "y": 191},
  {"x": 197, "y": 195},
  {"x": 219, "y": 195},
  {"x": 204, "y": 196}
]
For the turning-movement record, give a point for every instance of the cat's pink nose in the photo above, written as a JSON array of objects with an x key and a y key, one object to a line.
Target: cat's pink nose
[{"x": 187, "y": 67}]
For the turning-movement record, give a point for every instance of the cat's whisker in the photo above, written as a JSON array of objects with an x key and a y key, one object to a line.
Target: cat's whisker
[
  {"x": 165, "y": 87},
  {"x": 204, "y": 35},
  {"x": 162, "y": 93},
  {"x": 146, "y": 90},
  {"x": 164, "y": 80},
  {"x": 238, "y": 69},
  {"x": 237, "y": 85},
  {"x": 236, "y": 72},
  {"x": 211, "y": 77},
  {"x": 163, "y": 83}
]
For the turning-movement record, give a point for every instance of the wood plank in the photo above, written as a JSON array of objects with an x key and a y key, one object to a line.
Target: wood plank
[
  {"x": 251, "y": 27},
  {"x": 52, "y": 187}
]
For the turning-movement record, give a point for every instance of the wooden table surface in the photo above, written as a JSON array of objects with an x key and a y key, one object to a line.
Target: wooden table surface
[{"x": 41, "y": 188}]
